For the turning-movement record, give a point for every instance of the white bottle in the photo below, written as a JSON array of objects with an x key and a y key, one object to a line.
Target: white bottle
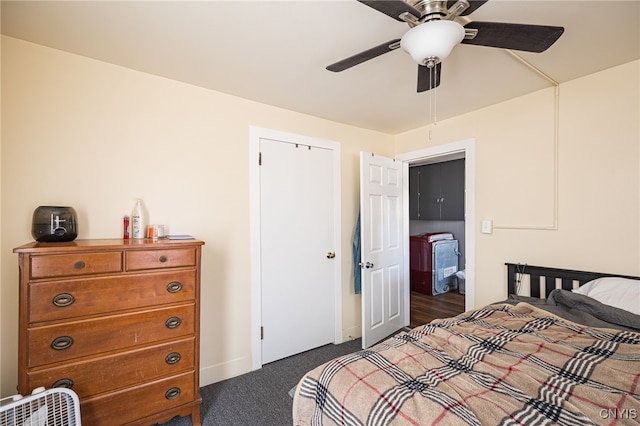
[{"x": 138, "y": 220}]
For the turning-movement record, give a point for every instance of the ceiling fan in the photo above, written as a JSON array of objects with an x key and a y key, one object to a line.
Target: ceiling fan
[{"x": 435, "y": 31}]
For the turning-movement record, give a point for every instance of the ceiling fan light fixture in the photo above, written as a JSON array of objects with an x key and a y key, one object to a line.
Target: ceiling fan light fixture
[{"x": 433, "y": 40}]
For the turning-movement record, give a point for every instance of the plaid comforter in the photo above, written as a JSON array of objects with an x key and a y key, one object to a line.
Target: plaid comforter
[{"x": 499, "y": 365}]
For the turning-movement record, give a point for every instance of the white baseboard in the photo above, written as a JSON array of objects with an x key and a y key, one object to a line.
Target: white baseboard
[{"x": 223, "y": 371}]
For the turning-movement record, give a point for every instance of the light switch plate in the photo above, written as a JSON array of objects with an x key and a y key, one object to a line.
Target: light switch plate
[{"x": 487, "y": 226}]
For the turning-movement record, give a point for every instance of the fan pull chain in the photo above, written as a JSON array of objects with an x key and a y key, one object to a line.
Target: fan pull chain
[
  {"x": 434, "y": 79},
  {"x": 433, "y": 98},
  {"x": 430, "y": 94},
  {"x": 433, "y": 95},
  {"x": 430, "y": 111}
]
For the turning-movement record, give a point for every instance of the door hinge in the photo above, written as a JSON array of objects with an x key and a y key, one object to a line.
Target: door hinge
[
  {"x": 261, "y": 333},
  {"x": 259, "y": 159}
]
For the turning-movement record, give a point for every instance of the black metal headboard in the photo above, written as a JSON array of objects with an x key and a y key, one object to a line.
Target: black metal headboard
[{"x": 567, "y": 278}]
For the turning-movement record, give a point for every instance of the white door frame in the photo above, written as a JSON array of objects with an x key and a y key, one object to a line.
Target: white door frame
[
  {"x": 466, "y": 149},
  {"x": 255, "y": 134}
]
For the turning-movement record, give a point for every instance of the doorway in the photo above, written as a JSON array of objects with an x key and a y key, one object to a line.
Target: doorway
[
  {"x": 464, "y": 149},
  {"x": 436, "y": 210}
]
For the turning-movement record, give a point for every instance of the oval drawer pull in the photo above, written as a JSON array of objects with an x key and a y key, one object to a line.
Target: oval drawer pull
[
  {"x": 163, "y": 259},
  {"x": 172, "y": 393},
  {"x": 63, "y": 383},
  {"x": 79, "y": 264},
  {"x": 63, "y": 299},
  {"x": 174, "y": 287},
  {"x": 173, "y": 358},
  {"x": 61, "y": 343},
  {"x": 173, "y": 322}
]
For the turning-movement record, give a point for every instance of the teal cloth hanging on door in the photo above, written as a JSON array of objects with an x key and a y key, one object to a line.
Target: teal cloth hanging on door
[{"x": 357, "y": 284}]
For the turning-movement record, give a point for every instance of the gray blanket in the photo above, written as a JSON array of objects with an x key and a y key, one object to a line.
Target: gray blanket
[{"x": 582, "y": 309}]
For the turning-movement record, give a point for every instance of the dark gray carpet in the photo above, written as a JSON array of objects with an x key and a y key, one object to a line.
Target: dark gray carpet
[{"x": 261, "y": 397}]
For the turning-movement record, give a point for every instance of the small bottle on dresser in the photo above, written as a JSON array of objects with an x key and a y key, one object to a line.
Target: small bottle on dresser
[
  {"x": 125, "y": 225},
  {"x": 138, "y": 220}
]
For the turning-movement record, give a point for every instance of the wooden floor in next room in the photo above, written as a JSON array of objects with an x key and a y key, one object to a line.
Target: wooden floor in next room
[{"x": 425, "y": 308}]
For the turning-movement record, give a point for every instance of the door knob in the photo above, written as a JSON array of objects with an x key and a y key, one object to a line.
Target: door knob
[{"x": 331, "y": 255}]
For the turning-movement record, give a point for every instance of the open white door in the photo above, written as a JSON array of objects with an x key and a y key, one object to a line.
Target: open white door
[{"x": 385, "y": 292}]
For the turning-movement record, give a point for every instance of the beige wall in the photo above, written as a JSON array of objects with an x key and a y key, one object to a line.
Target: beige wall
[
  {"x": 598, "y": 177},
  {"x": 95, "y": 136}
]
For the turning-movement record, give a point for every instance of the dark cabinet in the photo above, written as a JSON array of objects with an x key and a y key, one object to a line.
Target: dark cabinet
[
  {"x": 436, "y": 191},
  {"x": 414, "y": 190}
]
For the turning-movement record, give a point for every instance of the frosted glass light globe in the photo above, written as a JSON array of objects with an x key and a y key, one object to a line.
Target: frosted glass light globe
[{"x": 433, "y": 40}]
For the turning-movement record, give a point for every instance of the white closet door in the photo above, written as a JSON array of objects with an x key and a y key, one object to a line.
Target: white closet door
[{"x": 297, "y": 237}]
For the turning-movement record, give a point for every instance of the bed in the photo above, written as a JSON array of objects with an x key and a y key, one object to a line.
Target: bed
[{"x": 549, "y": 354}]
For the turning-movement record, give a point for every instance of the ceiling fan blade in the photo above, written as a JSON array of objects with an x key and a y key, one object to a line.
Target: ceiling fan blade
[
  {"x": 361, "y": 57},
  {"x": 428, "y": 78},
  {"x": 392, "y": 8},
  {"x": 529, "y": 38},
  {"x": 473, "y": 5}
]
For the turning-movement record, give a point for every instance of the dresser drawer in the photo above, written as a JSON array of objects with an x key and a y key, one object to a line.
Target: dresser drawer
[
  {"x": 153, "y": 259},
  {"x": 119, "y": 370},
  {"x": 56, "y": 300},
  {"x": 60, "y": 342},
  {"x": 63, "y": 265},
  {"x": 125, "y": 406}
]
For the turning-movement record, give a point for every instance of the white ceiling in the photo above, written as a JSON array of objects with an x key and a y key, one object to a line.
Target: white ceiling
[{"x": 275, "y": 52}]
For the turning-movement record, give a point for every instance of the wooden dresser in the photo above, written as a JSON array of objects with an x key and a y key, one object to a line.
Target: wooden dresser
[{"x": 117, "y": 321}]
